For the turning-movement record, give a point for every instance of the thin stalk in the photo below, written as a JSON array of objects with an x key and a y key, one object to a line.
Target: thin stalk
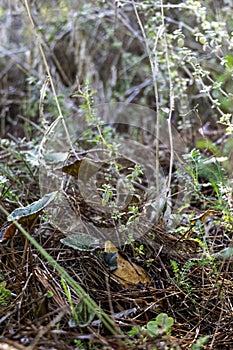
[
  {"x": 60, "y": 115},
  {"x": 171, "y": 104},
  {"x": 154, "y": 68}
]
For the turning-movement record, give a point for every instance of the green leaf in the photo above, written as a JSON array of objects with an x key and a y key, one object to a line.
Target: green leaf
[
  {"x": 5, "y": 294},
  {"x": 229, "y": 60},
  {"x": 135, "y": 330},
  {"x": 152, "y": 329},
  {"x": 200, "y": 342},
  {"x": 164, "y": 320},
  {"x": 81, "y": 241},
  {"x": 33, "y": 208},
  {"x": 162, "y": 324}
]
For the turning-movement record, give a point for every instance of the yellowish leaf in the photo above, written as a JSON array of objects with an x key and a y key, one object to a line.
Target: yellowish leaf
[{"x": 127, "y": 273}]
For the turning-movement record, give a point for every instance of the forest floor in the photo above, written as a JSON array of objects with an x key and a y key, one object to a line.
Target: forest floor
[
  {"x": 115, "y": 228},
  {"x": 163, "y": 286}
]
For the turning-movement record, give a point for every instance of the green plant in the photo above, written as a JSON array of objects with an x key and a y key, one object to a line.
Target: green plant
[
  {"x": 82, "y": 313},
  {"x": 79, "y": 344},
  {"x": 171, "y": 55},
  {"x": 207, "y": 172},
  {"x": 161, "y": 326},
  {"x": 82, "y": 346},
  {"x": 107, "y": 195},
  {"x": 121, "y": 178},
  {"x": 181, "y": 273},
  {"x": 136, "y": 173},
  {"x": 140, "y": 250},
  {"x": 200, "y": 342},
  {"x": 5, "y": 294},
  {"x": 87, "y": 95},
  {"x": 134, "y": 331},
  {"x": 193, "y": 158},
  {"x": 68, "y": 296},
  {"x": 133, "y": 212}
]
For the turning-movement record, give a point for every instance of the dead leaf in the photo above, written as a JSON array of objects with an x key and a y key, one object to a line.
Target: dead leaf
[
  {"x": 7, "y": 232},
  {"x": 127, "y": 273},
  {"x": 204, "y": 216},
  {"x": 82, "y": 168}
]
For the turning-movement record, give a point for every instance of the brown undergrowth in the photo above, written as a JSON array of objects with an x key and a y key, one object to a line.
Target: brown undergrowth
[
  {"x": 189, "y": 266},
  {"x": 185, "y": 282}
]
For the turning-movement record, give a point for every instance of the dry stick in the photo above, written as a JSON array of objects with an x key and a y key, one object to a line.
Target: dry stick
[
  {"x": 218, "y": 324},
  {"x": 41, "y": 103},
  {"x": 171, "y": 106},
  {"x": 43, "y": 331},
  {"x": 60, "y": 115},
  {"x": 154, "y": 69},
  {"x": 106, "y": 320}
]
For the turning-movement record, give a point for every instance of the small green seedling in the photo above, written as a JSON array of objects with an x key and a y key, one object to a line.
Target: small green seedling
[
  {"x": 161, "y": 325},
  {"x": 200, "y": 342},
  {"x": 5, "y": 294}
]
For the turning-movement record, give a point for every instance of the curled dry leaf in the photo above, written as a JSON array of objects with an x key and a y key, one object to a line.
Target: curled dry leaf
[
  {"x": 127, "y": 273},
  {"x": 7, "y": 232},
  {"x": 25, "y": 216},
  {"x": 83, "y": 168}
]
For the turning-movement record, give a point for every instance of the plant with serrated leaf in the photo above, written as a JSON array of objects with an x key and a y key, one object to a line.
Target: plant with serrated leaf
[{"x": 181, "y": 278}]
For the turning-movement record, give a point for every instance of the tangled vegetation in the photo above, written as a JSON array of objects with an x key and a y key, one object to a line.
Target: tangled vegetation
[{"x": 115, "y": 175}]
